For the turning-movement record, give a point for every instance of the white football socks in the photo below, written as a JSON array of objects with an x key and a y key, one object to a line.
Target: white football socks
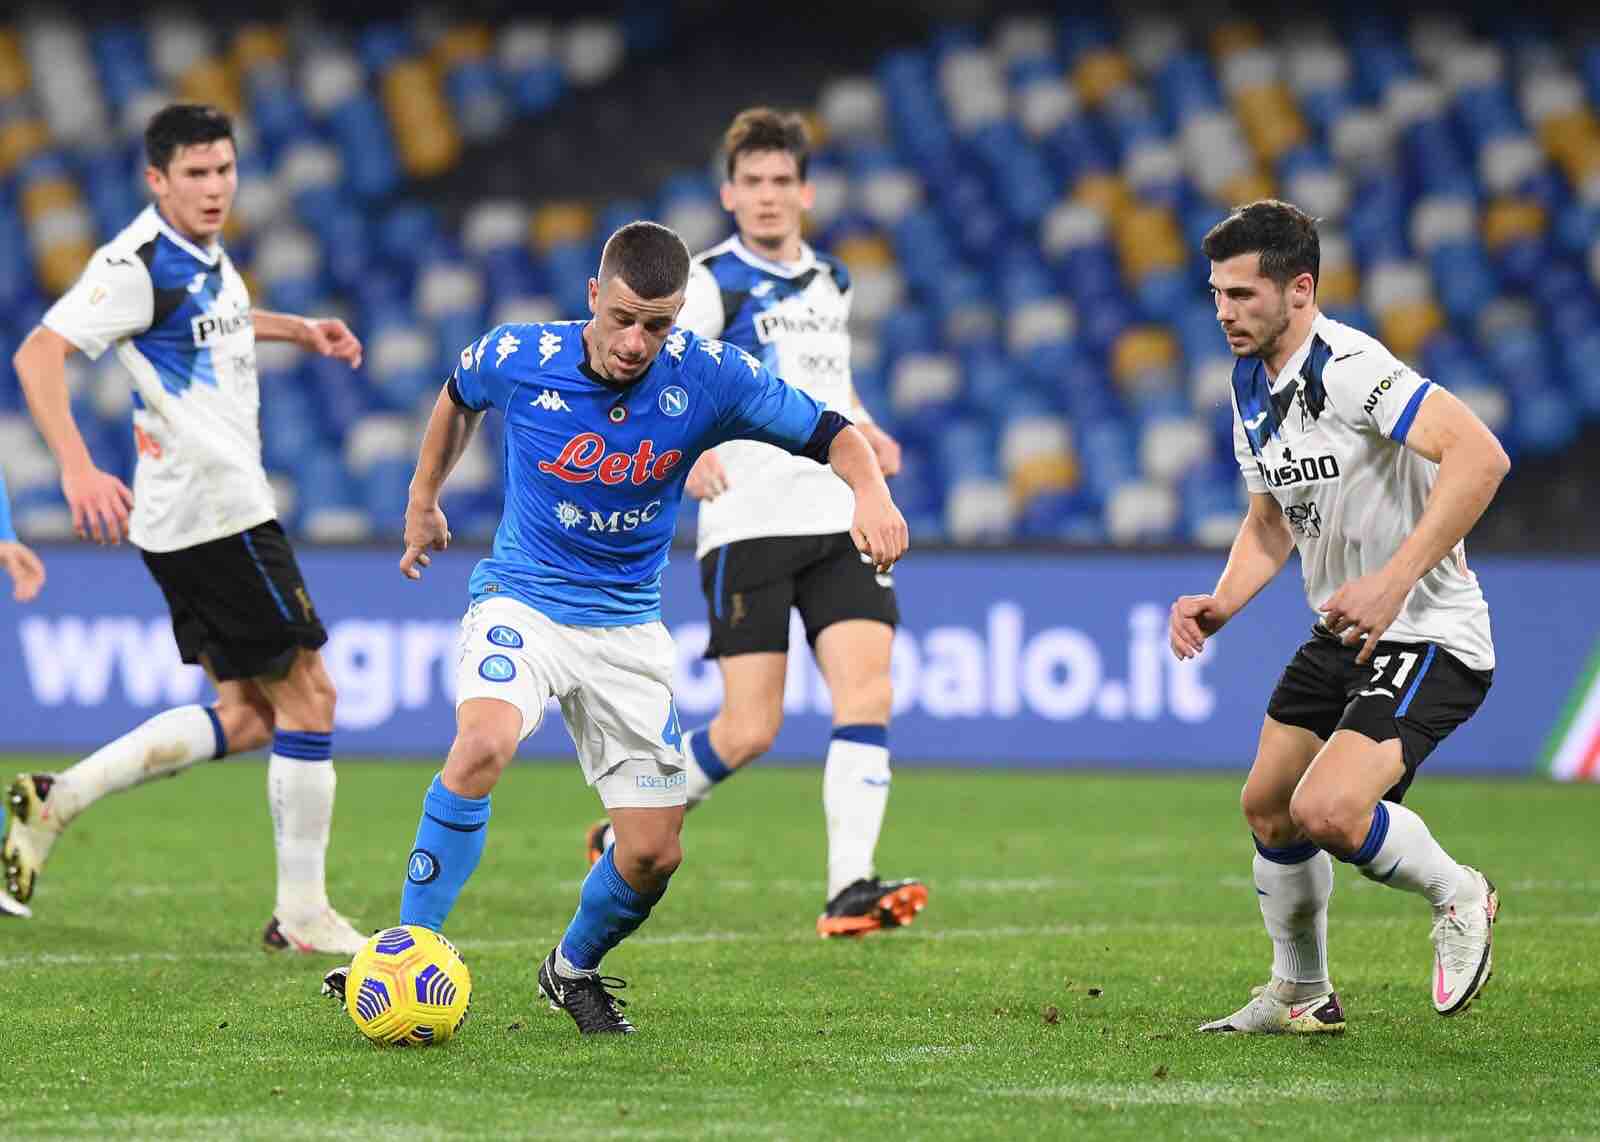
[
  {"x": 1400, "y": 851},
  {"x": 855, "y": 795},
  {"x": 168, "y": 743},
  {"x": 699, "y": 782},
  {"x": 300, "y": 793},
  {"x": 1293, "y": 895}
]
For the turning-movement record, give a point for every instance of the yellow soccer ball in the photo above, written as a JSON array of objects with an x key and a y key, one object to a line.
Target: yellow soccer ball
[{"x": 408, "y": 987}]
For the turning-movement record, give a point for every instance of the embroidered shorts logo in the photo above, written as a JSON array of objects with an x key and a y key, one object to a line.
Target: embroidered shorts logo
[
  {"x": 505, "y": 636},
  {"x": 497, "y": 668},
  {"x": 422, "y": 867},
  {"x": 674, "y": 401},
  {"x": 660, "y": 781}
]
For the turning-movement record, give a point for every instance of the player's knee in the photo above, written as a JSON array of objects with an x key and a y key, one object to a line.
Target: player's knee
[
  {"x": 1331, "y": 822},
  {"x": 868, "y": 703},
  {"x": 656, "y": 859},
  {"x": 750, "y": 736},
  {"x": 1268, "y": 817},
  {"x": 477, "y": 758}
]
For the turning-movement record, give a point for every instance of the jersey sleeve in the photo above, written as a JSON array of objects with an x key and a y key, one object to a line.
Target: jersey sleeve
[
  {"x": 752, "y": 404},
  {"x": 1381, "y": 395},
  {"x": 113, "y": 299},
  {"x": 702, "y": 304},
  {"x": 1248, "y": 467},
  {"x": 477, "y": 381}
]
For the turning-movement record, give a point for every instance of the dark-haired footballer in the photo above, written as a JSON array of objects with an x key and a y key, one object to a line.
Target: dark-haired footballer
[
  {"x": 165, "y": 296},
  {"x": 773, "y": 531},
  {"x": 604, "y": 419},
  {"x": 1376, "y": 475}
]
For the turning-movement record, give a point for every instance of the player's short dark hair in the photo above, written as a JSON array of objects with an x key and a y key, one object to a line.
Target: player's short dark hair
[
  {"x": 763, "y": 129},
  {"x": 183, "y": 125},
  {"x": 1282, "y": 234},
  {"x": 652, "y": 259}
]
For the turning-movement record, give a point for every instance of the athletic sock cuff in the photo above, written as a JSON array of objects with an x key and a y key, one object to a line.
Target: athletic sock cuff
[
  {"x": 1376, "y": 835},
  {"x": 221, "y": 750},
  {"x": 621, "y": 891},
  {"x": 1293, "y": 854},
  {"x": 453, "y": 811},
  {"x": 865, "y": 734},
  {"x": 705, "y": 756},
  {"x": 302, "y": 745}
]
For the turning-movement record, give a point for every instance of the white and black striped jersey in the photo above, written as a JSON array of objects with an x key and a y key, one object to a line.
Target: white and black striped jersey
[
  {"x": 179, "y": 317},
  {"x": 794, "y": 319},
  {"x": 1326, "y": 438}
]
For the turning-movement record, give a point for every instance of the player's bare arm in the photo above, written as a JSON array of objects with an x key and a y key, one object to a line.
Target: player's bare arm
[
  {"x": 325, "y": 335},
  {"x": 1259, "y": 552},
  {"x": 99, "y": 501},
  {"x": 449, "y": 432},
  {"x": 879, "y": 530},
  {"x": 1471, "y": 466}
]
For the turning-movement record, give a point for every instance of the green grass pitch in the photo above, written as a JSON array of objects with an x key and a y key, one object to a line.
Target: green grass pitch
[{"x": 1080, "y": 927}]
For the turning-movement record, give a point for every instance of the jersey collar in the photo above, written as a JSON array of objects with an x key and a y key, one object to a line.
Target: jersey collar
[
  {"x": 1291, "y": 367},
  {"x": 208, "y": 257},
  {"x": 807, "y": 259}
]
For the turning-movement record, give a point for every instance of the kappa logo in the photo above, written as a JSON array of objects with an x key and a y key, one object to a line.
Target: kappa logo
[
  {"x": 674, "y": 400},
  {"x": 662, "y": 781},
  {"x": 676, "y": 344},
  {"x": 549, "y": 346},
  {"x": 712, "y": 349},
  {"x": 550, "y": 401},
  {"x": 503, "y": 348}
]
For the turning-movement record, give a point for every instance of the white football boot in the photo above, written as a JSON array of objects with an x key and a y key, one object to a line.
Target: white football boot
[
  {"x": 328, "y": 933},
  {"x": 1463, "y": 945},
  {"x": 1269, "y": 1013},
  {"x": 31, "y": 833},
  {"x": 9, "y": 906}
]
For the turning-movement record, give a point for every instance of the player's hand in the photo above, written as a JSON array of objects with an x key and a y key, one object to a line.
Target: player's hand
[
  {"x": 1363, "y": 609},
  {"x": 100, "y": 504},
  {"x": 708, "y": 479},
  {"x": 426, "y": 530},
  {"x": 879, "y": 530},
  {"x": 885, "y": 447},
  {"x": 332, "y": 338},
  {"x": 1194, "y": 619},
  {"x": 25, "y": 569}
]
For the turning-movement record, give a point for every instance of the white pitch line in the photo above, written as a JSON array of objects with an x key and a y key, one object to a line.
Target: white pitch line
[{"x": 534, "y": 942}]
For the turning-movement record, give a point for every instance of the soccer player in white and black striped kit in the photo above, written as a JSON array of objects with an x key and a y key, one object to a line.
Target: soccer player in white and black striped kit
[
  {"x": 165, "y": 295},
  {"x": 1376, "y": 475}
]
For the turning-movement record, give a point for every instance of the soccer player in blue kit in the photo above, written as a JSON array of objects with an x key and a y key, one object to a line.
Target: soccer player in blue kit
[{"x": 604, "y": 420}]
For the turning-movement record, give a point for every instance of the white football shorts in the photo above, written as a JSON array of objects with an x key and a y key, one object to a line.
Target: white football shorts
[{"x": 614, "y": 685}]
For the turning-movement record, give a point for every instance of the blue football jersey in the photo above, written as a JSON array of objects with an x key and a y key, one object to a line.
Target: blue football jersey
[{"x": 595, "y": 471}]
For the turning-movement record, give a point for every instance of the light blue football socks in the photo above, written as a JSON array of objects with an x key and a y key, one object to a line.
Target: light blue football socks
[{"x": 450, "y": 839}]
